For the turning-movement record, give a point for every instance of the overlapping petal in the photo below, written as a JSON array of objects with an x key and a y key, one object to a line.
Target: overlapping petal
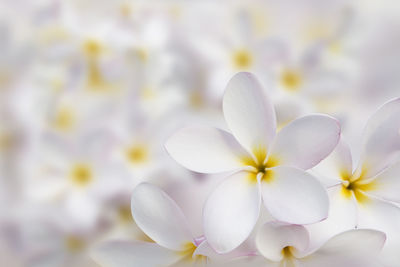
[
  {"x": 275, "y": 236},
  {"x": 159, "y": 217},
  {"x": 248, "y": 112},
  {"x": 306, "y": 141},
  {"x": 205, "y": 150},
  {"x": 387, "y": 184},
  {"x": 337, "y": 165},
  {"x": 231, "y": 212},
  {"x": 381, "y": 142},
  {"x": 342, "y": 217},
  {"x": 294, "y": 196},
  {"x": 358, "y": 248}
]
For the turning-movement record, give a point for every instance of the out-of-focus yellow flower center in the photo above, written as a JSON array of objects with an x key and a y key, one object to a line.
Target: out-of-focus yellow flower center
[
  {"x": 196, "y": 99},
  {"x": 142, "y": 54},
  {"x": 148, "y": 93},
  {"x": 291, "y": 80},
  {"x": 92, "y": 48},
  {"x": 81, "y": 174},
  {"x": 335, "y": 47},
  {"x": 95, "y": 80},
  {"x": 187, "y": 254},
  {"x": 356, "y": 185},
  {"x": 74, "y": 244},
  {"x": 242, "y": 59},
  {"x": 6, "y": 141},
  {"x": 124, "y": 213},
  {"x": 64, "y": 119},
  {"x": 125, "y": 10},
  {"x": 137, "y": 154},
  {"x": 260, "y": 165}
]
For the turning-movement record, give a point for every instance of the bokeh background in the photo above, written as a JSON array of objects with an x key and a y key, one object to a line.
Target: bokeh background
[{"x": 91, "y": 89}]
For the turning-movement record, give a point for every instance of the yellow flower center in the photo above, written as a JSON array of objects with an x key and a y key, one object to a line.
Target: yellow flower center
[
  {"x": 124, "y": 213},
  {"x": 137, "y": 154},
  {"x": 92, "y": 48},
  {"x": 74, "y": 244},
  {"x": 187, "y": 254},
  {"x": 291, "y": 80},
  {"x": 242, "y": 59},
  {"x": 6, "y": 141},
  {"x": 95, "y": 80},
  {"x": 288, "y": 257},
  {"x": 64, "y": 119},
  {"x": 259, "y": 165},
  {"x": 142, "y": 54},
  {"x": 81, "y": 174},
  {"x": 356, "y": 185},
  {"x": 196, "y": 99},
  {"x": 125, "y": 10}
]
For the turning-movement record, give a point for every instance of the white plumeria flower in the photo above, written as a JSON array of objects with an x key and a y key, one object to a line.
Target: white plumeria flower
[
  {"x": 361, "y": 197},
  {"x": 267, "y": 164},
  {"x": 282, "y": 245},
  {"x": 160, "y": 218}
]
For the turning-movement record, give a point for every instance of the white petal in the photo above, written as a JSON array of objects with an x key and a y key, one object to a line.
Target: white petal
[
  {"x": 338, "y": 164},
  {"x": 159, "y": 217},
  {"x": 132, "y": 254},
  {"x": 206, "y": 150},
  {"x": 342, "y": 217},
  {"x": 248, "y": 112},
  {"x": 306, "y": 141},
  {"x": 383, "y": 216},
  {"x": 381, "y": 142},
  {"x": 380, "y": 215},
  {"x": 387, "y": 184},
  {"x": 294, "y": 196},
  {"x": 356, "y": 248},
  {"x": 274, "y": 236},
  {"x": 231, "y": 212}
]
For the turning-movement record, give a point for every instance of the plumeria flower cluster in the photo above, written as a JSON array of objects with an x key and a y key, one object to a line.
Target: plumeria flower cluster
[
  {"x": 269, "y": 167},
  {"x": 200, "y": 133}
]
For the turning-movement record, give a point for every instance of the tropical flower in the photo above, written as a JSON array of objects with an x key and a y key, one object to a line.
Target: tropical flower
[
  {"x": 163, "y": 222},
  {"x": 363, "y": 197},
  {"x": 287, "y": 245},
  {"x": 265, "y": 163}
]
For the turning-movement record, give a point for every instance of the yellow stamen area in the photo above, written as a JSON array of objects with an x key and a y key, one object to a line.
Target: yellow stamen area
[
  {"x": 288, "y": 258},
  {"x": 335, "y": 47},
  {"x": 74, "y": 244},
  {"x": 291, "y": 80},
  {"x": 242, "y": 59},
  {"x": 81, "y": 174},
  {"x": 137, "y": 154},
  {"x": 124, "y": 213},
  {"x": 64, "y": 119},
  {"x": 187, "y": 254},
  {"x": 142, "y": 54},
  {"x": 92, "y": 48},
  {"x": 357, "y": 185},
  {"x": 6, "y": 141},
  {"x": 196, "y": 99},
  {"x": 287, "y": 252},
  {"x": 260, "y": 165},
  {"x": 148, "y": 93},
  {"x": 95, "y": 80},
  {"x": 125, "y": 10}
]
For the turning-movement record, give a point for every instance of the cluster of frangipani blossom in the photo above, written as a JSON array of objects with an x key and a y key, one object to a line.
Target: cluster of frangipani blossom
[
  {"x": 192, "y": 133},
  {"x": 269, "y": 169}
]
